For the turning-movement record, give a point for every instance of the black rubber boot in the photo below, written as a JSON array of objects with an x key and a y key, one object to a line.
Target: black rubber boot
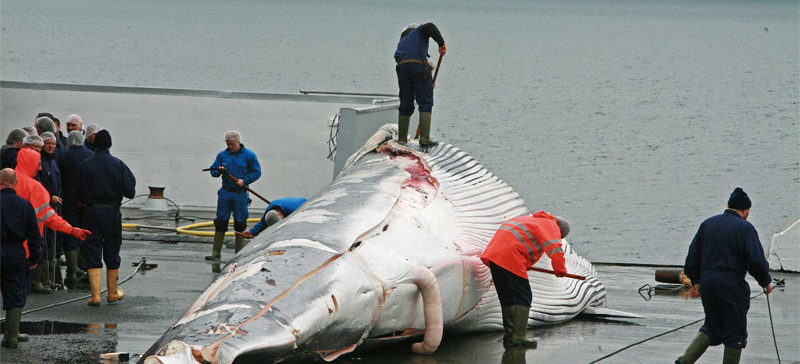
[
  {"x": 402, "y": 128},
  {"x": 695, "y": 349},
  {"x": 39, "y": 281},
  {"x": 425, "y": 130},
  {"x": 10, "y": 338},
  {"x": 239, "y": 243},
  {"x": 731, "y": 355},
  {"x": 520, "y": 336},
  {"x": 219, "y": 236},
  {"x": 508, "y": 325}
]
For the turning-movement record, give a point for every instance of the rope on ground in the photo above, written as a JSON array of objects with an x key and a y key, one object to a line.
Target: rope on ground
[
  {"x": 138, "y": 267},
  {"x": 664, "y": 333}
]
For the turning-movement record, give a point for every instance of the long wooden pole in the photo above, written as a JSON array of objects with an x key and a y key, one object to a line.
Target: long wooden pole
[
  {"x": 435, "y": 74},
  {"x": 575, "y": 276},
  {"x": 245, "y": 187}
]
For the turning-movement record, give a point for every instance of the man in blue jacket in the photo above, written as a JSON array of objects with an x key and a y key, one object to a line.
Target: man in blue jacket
[
  {"x": 240, "y": 163},
  {"x": 724, "y": 249},
  {"x": 414, "y": 78},
  {"x": 103, "y": 180},
  {"x": 18, "y": 225},
  {"x": 68, "y": 164},
  {"x": 276, "y": 211}
]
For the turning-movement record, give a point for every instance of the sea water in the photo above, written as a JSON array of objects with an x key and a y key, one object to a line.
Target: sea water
[{"x": 632, "y": 119}]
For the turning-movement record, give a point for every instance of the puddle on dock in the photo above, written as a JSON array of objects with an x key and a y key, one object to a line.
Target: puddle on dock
[{"x": 59, "y": 327}]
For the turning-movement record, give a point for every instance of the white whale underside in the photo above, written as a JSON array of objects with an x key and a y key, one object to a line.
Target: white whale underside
[{"x": 340, "y": 270}]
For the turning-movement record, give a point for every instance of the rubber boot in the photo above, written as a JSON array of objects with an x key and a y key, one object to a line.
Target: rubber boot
[
  {"x": 10, "y": 338},
  {"x": 520, "y": 338},
  {"x": 425, "y": 130},
  {"x": 695, "y": 349},
  {"x": 95, "y": 282},
  {"x": 114, "y": 294},
  {"x": 219, "y": 236},
  {"x": 71, "y": 279},
  {"x": 240, "y": 243},
  {"x": 731, "y": 355},
  {"x": 402, "y": 128},
  {"x": 508, "y": 325},
  {"x": 38, "y": 282},
  {"x": 58, "y": 280}
]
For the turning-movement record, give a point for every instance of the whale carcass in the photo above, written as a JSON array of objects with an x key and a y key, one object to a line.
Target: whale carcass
[{"x": 390, "y": 249}]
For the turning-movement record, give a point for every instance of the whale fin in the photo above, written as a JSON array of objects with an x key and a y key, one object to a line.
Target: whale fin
[{"x": 607, "y": 312}]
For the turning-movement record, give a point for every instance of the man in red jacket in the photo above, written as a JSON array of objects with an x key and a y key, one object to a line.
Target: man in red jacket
[
  {"x": 28, "y": 163},
  {"x": 516, "y": 246}
]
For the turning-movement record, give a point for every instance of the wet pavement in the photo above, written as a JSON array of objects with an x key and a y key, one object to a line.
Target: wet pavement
[{"x": 77, "y": 333}]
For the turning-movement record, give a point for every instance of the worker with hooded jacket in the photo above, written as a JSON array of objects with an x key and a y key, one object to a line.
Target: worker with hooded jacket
[
  {"x": 276, "y": 211},
  {"x": 103, "y": 180},
  {"x": 414, "y": 78},
  {"x": 515, "y": 247},
  {"x": 724, "y": 249},
  {"x": 28, "y": 163},
  {"x": 240, "y": 163},
  {"x": 18, "y": 229}
]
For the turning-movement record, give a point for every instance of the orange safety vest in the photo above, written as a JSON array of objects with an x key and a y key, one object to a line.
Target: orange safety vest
[
  {"x": 30, "y": 189},
  {"x": 519, "y": 243}
]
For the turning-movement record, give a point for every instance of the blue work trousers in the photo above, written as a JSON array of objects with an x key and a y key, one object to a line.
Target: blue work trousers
[
  {"x": 415, "y": 83},
  {"x": 228, "y": 202},
  {"x": 511, "y": 288},
  {"x": 74, "y": 216},
  {"x": 15, "y": 277},
  {"x": 725, "y": 303},
  {"x": 105, "y": 223}
]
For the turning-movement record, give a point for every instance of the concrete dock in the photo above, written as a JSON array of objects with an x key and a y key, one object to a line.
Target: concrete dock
[{"x": 77, "y": 333}]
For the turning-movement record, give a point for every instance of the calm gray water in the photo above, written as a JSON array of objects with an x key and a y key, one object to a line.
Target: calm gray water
[{"x": 633, "y": 119}]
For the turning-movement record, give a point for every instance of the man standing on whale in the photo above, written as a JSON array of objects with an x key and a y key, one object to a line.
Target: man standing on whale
[{"x": 414, "y": 78}]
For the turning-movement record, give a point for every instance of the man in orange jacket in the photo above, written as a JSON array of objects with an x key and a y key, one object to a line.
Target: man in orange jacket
[
  {"x": 516, "y": 246},
  {"x": 28, "y": 163}
]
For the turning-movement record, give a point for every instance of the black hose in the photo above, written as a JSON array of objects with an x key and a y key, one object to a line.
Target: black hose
[
  {"x": 673, "y": 330},
  {"x": 771, "y": 325},
  {"x": 81, "y": 297}
]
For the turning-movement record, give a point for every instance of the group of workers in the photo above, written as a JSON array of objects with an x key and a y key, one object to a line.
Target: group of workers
[
  {"x": 79, "y": 177},
  {"x": 70, "y": 188},
  {"x": 725, "y": 248}
]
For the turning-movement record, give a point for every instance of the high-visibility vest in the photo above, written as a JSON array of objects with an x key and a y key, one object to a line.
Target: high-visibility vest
[
  {"x": 30, "y": 189},
  {"x": 520, "y": 242}
]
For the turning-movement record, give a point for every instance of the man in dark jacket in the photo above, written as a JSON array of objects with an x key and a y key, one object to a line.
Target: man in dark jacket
[
  {"x": 50, "y": 177},
  {"x": 68, "y": 164},
  {"x": 8, "y": 152},
  {"x": 414, "y": 78},
  {"x": 103, "y": 180},
  {"x": 18, "y": 225},
  {"x": 724, "y": 249}
]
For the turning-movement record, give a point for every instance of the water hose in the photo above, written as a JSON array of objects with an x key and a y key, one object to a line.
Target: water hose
[
  {"x": 187, "y": 229},
  {"x": 676, "y": 329},
  {"x": 771, "y": 325},
  {"x": 142, "y": 263}
]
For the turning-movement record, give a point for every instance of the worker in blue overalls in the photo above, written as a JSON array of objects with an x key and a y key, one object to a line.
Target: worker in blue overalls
[
  {"x": 240, "y": 163},
  {"x": 414, "y": 78},
  {"x": 276, "y": 211},
  {"x": 21, "y": 251},
  {"x": 103, "y": 180}
]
